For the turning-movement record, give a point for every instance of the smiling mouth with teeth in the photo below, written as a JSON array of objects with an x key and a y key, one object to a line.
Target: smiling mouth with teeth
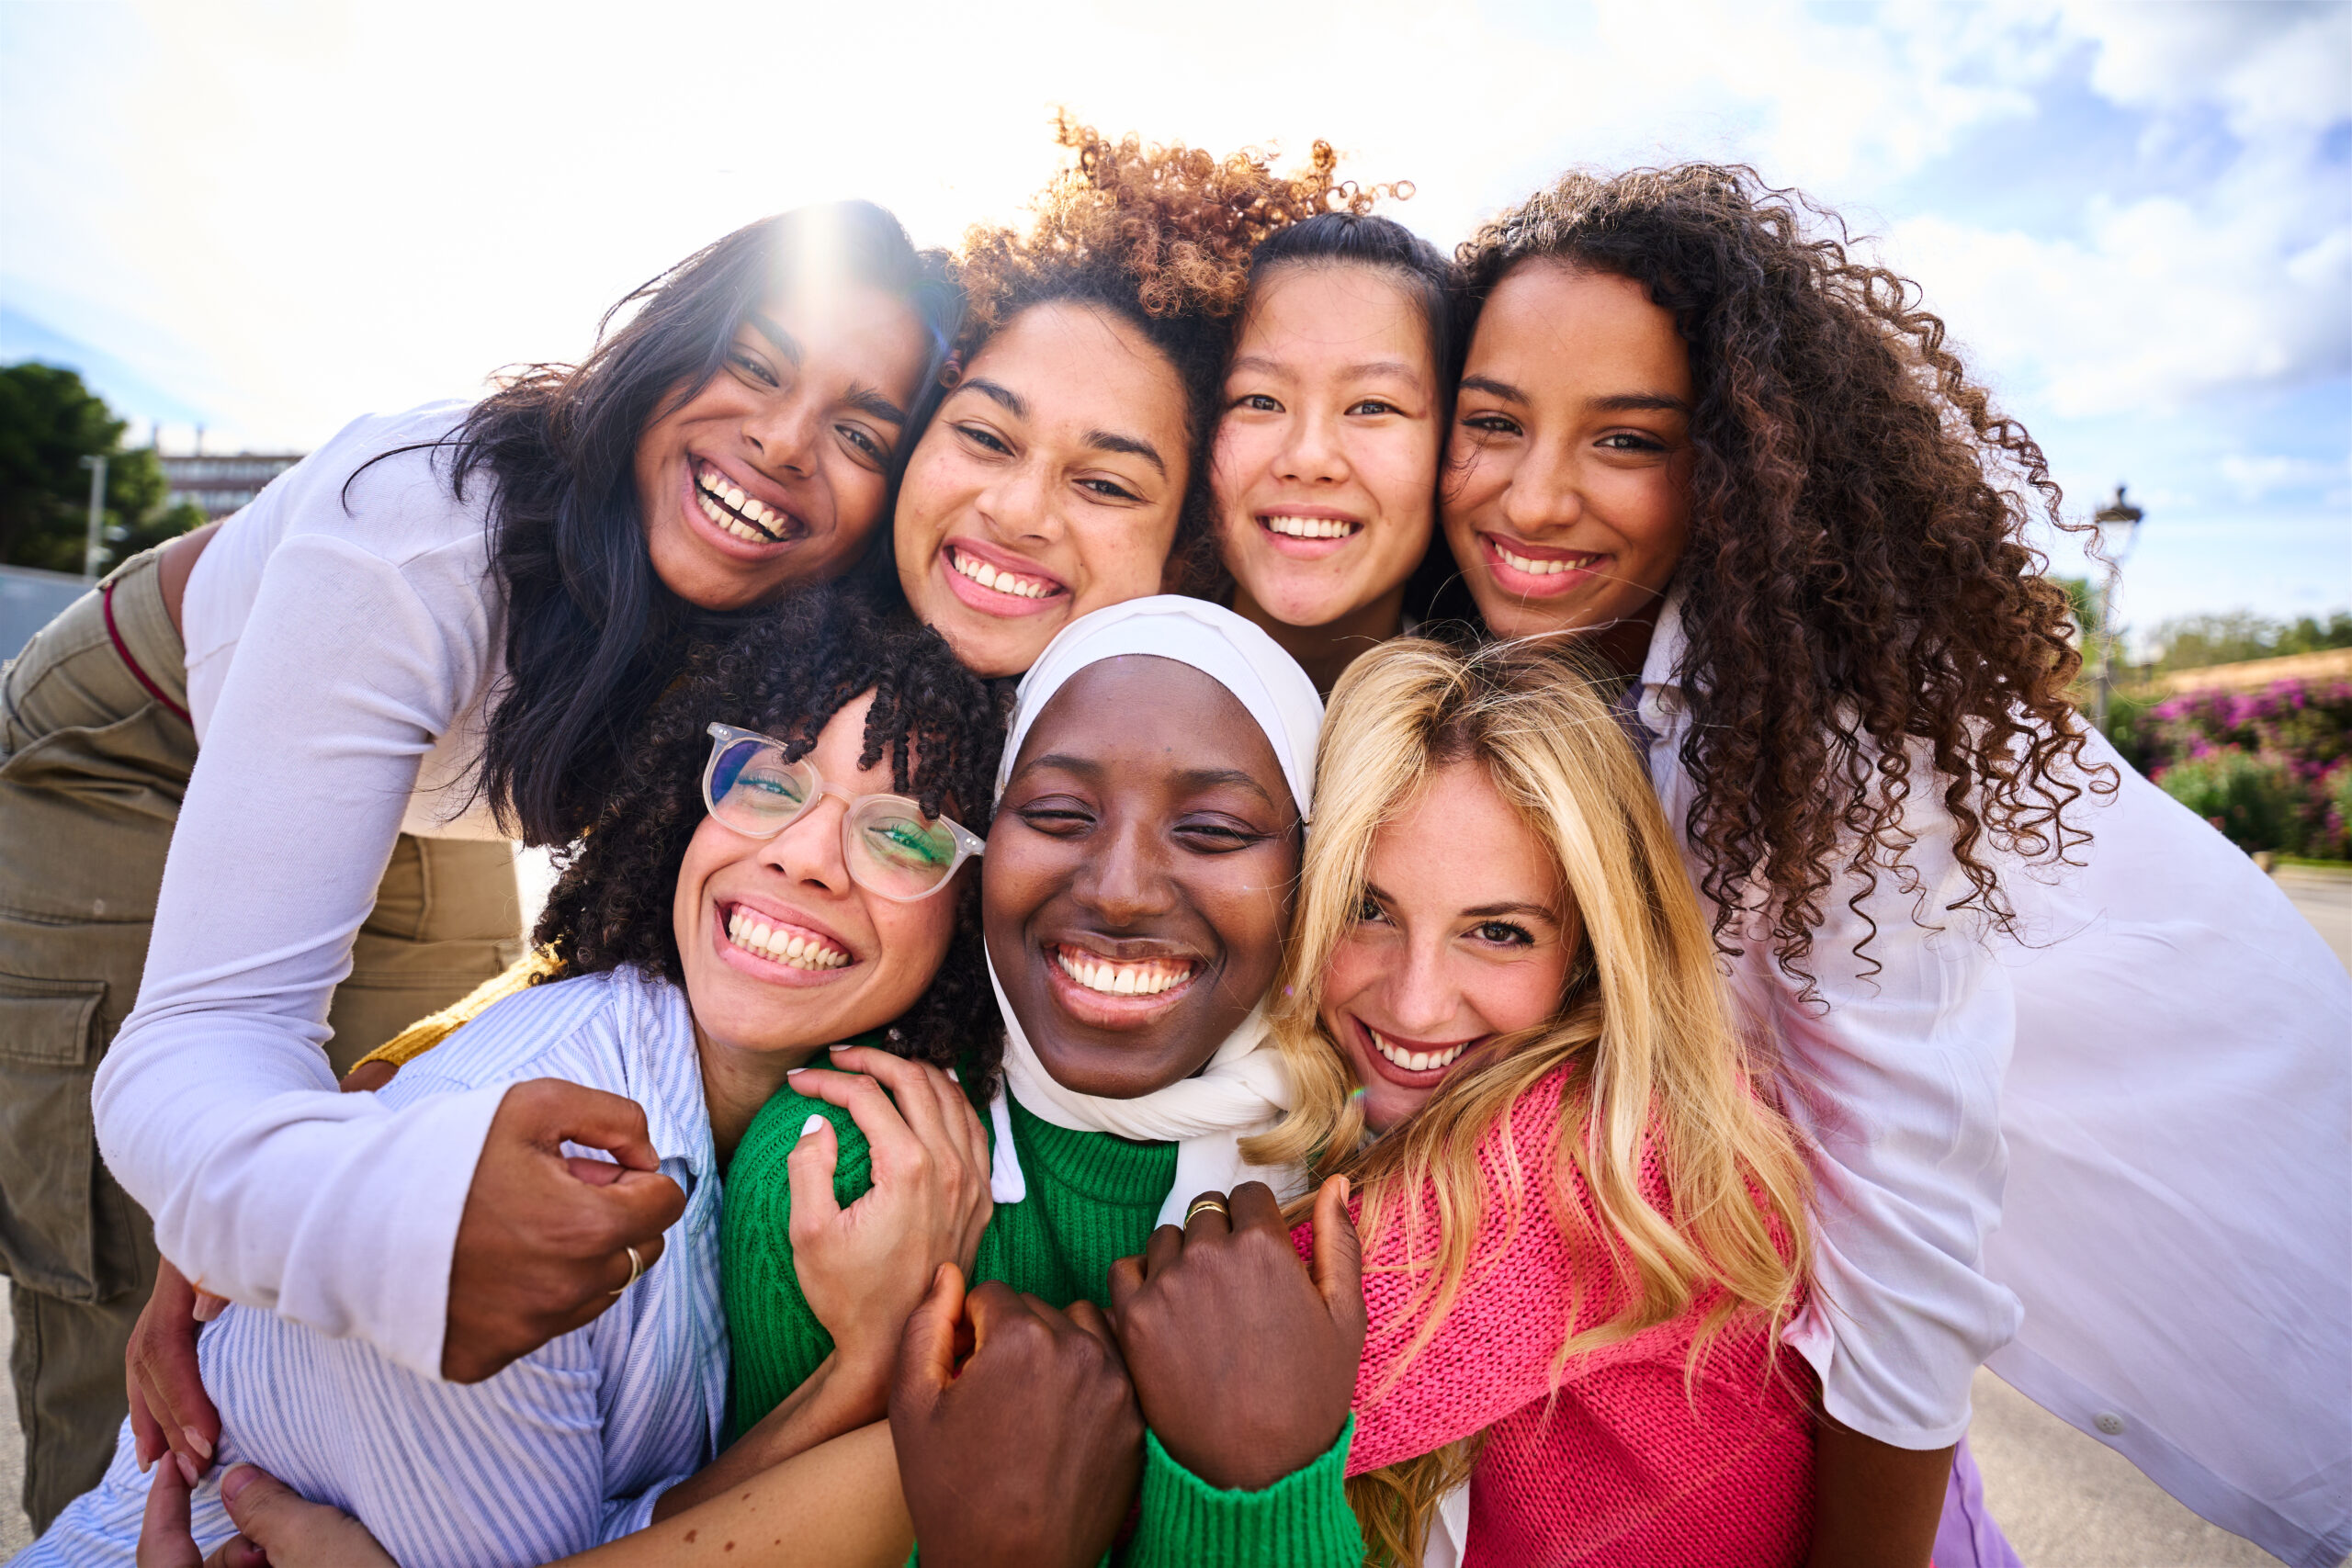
[
  {"x": 1309, "y": 527},
  {"x": 1534, "y": 567},
  {"x": 757, "y": 937},
  {"x": 747, "y": 517},
  {"x": 1417, "y": 1061},
  {"x": 1003, "y": 582},
  {"x": 1144, "y": 977}
]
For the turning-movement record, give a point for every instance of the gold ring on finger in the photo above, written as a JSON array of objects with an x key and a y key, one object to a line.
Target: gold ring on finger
[
  {"x": 636, "y": 1269},
  {"x": 1206, "y": 1205}
]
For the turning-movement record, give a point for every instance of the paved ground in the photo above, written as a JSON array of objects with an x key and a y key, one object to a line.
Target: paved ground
[
  {"x": 2325, "y": 899},
  {"x": 2066, "y": 1500}
]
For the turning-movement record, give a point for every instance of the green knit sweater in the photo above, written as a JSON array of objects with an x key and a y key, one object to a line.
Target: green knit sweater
[{"x": 1093, "y": 1199}]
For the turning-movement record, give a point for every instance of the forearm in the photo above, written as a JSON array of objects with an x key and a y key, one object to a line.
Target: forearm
[
  {"x": 836, "y": 1503},
  {"x": 1875, "y": 1505},
  {"x": 838, "y": 1398},
  {"x": 254, "y": 1190}
]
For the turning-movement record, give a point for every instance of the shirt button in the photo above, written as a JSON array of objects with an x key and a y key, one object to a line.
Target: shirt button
[{"x": 2107, "y": 1421}]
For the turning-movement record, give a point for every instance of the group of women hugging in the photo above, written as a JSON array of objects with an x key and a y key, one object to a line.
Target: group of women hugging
[{"x": 1232, "y": 892}]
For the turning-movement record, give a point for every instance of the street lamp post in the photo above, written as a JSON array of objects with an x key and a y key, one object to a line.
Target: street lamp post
[
  {"x": 98, "y": 466},
  {"x": 2117, "y": 513}
]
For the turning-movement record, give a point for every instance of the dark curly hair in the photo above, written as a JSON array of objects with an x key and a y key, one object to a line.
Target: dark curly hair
[
  {"x": 1857, "y": 586},
  {"x": 1163, "y": 237},
  {"x": 787, "y": 674}
]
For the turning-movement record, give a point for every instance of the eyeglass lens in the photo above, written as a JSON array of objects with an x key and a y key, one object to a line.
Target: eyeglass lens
[{"x": 891, "y": 849}]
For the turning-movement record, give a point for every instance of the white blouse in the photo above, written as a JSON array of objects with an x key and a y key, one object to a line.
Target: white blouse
[
  {"x": 345, "y": 633},
  {"x": 2110, "y": 1154}
]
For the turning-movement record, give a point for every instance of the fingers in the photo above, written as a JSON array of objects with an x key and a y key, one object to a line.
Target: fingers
[
  {"x": 1207, "y": 1215},
  {"x": 208, "y": 1306},
  {"x": 976, "y": 1133},
  {"x": 147, "y": 1442},
  {"x": 1252, "y": 1206},
  {"x": 1337, "y": 1267},
  {"x": 289, "y": 1531},
  {"x": 810, "y": 1166},
  {"x": 165, "y": 1540},
  {"x": 168, "y": 1406},
  {"x": 239, "y": 1551},
  {"x": 887, "y": 1131},
  {"x": 920, "y": 1091},
  {"x": 594, "y": 1172},
  {"x": 1088, "y": 1318},
  {"x": 992, "y": 1305},
  {"x": 1166, "y": 1245},
  {"x": 644, "y": 1203},
  {"x": 549, "y": 1112},
  {"x": 927, "y": 1349},
  {"x": 1127, "y": 1278}
]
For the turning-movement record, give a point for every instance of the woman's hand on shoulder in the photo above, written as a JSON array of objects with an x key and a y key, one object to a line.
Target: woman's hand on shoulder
[
  {"x": 1027, "y": 1453},
  {"x": 863, "y": 1268},
  {"x": 1243, "y": 1358}
]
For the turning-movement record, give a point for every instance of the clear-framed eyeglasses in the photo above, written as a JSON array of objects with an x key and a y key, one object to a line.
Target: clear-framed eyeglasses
[{"x": 890, "y": 847}]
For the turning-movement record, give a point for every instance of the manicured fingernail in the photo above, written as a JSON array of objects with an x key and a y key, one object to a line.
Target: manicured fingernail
[
  {"x": 831, "y": 1048},
  {"x": 1344, "y": 1190},
  {"x": 188, "y": 1466},
  {"x": 233, "y": 1483},
  {"x": 197, "y": 1440},
  {"x": 811, "y": 1125},
  {"x": 145, "y": 1464},
  {"x": 952, "y": 1077},
  {"x": 208, "y": 1307},
  {"x": 794, "y": 1072}
]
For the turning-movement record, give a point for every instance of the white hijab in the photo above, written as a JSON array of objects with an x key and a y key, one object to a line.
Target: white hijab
[{"x": 1245, "y": 1085}]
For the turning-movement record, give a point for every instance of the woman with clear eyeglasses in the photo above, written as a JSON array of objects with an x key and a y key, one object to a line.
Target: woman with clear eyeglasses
[{"x": 759, "y": 888}]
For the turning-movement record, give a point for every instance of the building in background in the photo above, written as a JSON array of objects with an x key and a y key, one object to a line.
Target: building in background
[{"x": 221, "y": 484}]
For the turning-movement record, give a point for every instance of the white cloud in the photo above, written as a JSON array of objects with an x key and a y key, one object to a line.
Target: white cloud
[
  {"x": 2259, "y": 476},
  {"x": 2270, "y": 67},
  {"x": 340, "y": 208}
]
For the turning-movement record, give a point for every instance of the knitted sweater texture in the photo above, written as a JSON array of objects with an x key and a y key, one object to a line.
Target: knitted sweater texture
[
  {"x": 1093, "y": 1199},
  {"x": 1606, "y": 1459}
]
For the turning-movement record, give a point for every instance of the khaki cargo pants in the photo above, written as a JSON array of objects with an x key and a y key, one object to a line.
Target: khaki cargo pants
[{"x": 93, "y": 767}]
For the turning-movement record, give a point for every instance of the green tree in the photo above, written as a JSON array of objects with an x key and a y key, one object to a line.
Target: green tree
[
  {"x": 2192, "y": 642},
  {"x": 48, "y": 422}
]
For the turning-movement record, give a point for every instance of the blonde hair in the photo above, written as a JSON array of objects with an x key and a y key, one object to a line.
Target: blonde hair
[{"x": 1656, "y": 1070}]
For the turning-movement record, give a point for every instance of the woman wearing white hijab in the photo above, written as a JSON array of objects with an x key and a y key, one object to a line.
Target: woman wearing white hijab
[{"x": 1134, "y": 897}]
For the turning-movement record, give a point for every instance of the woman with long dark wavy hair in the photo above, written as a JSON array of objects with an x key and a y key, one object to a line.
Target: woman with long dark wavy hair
[
  {"x": 2003, "y": 980},
  {"x": 439, "y": 628}
]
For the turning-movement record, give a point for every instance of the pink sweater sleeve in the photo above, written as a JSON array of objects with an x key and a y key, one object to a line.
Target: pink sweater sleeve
[{"x": 1494, "y": 1351}]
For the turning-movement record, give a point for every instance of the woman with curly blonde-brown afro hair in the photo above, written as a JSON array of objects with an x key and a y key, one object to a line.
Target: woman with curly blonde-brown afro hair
[{"x": 1065, "y": 466}]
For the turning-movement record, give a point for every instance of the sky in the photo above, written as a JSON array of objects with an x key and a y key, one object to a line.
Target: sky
[{"x": 268, "y": 217}]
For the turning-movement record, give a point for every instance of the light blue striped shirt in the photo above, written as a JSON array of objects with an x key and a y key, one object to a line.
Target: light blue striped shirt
[{"x": 565, "y": 1448}]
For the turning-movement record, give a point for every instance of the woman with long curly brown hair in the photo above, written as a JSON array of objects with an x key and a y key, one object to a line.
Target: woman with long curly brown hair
[
  {"x": 2004, "y": 980},
  {"x": 1066, "y": 468}
]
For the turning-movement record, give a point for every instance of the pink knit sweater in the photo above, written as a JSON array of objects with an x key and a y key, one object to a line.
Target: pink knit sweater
[{"x": 1610, "y": 1462}]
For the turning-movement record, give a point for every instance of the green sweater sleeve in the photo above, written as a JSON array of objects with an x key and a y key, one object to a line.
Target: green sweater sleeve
[
  {"x": 1301, "y": 1521},
  {"x": 777, "y": 1342}
]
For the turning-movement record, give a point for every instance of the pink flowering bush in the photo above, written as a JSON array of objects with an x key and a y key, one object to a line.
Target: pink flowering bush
[{"x": 2273, "y": 768}]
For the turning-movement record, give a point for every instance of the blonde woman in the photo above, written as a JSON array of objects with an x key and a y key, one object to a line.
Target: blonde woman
[{"x": 1582, "y": 1225}]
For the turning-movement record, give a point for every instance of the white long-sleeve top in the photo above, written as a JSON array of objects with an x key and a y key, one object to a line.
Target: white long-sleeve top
[
  {"x": 2110, "y": 1152},
  {"x": 345, "y": 633}
]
